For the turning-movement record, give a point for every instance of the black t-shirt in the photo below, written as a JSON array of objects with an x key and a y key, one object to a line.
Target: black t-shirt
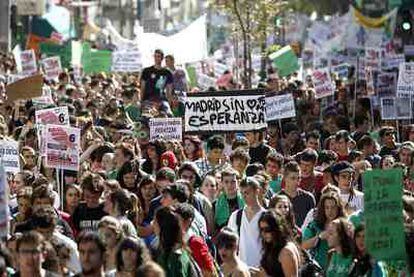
[
  {"x": 259, "y": 153},
  {"x": 155, "y": 82},
  {"x": 87, "y": 219},
  {"x": 302, "y": 203}
]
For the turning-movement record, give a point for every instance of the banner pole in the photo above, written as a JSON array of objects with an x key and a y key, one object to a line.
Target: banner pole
[{"x": 356, "y": 85}]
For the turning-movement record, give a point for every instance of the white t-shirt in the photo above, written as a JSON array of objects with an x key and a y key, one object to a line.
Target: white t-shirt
[
  {"x": 357, "y": 201},
  {"x": 250, "y": 245}
]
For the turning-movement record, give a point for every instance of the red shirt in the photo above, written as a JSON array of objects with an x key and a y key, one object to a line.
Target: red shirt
[
  {"x": 200, "y": 253},
  {"x": 313, "y": 183}
]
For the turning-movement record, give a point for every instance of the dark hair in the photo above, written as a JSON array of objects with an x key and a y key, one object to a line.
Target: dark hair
[
  {"x": 215, "y": 142},
  {"x": 138, "y": 246},
  {"x": 327, "y": 156},
  {"x": 185, "y": 210},
  {"x": 308, "y": 155},
  {"x": 365, "y": 140},
  {"x": 253, "y": 168},
  {"x": 227, "y": 238},
  {"x": 191, "y": 166},
  {"x": 320, "y": 218},
  {"x": 290, "y": 217},
  {"x": 178, "y": 192},
  {"x": 44, "y": 217},
  {"x": 93, "y": 183},
  {"x": 43, "y": 191},
  {"x": 165, "y": 173},
  {"x": 198, "y": 152},
  {"x": 239, "y": 142},
  {"x": 90, "y": 236},
  {"x": 291, "y": 167},
  {"x": 31, "y": 237},
  {"x": 147, "y": 180},
  {"x": 159, "y": 51},
  {"x": 359, "y": 120},
  {"x": 354, "y": 155},
  {"x": 240, "y": 154},
  {"x": 121, "y": 200},
  {"x": 130, "y": 167},
  {"x": 345, "y": 234},
  {"x": 281, "y": 236},
  {"x": 170, "y": 229},
  {"x": 127, "y": 150},
  {"x": 342, "y": 134},
  {"x": 249, "y": 182},
  {"x": 275, "y": 157},
  {"x": 313, "y": 134}
]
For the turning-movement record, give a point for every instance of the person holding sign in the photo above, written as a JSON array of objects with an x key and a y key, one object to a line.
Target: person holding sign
[{"x": 156, "y": 85}]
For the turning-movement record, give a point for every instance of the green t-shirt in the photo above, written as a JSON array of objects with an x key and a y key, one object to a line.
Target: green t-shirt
[
  {"x": 113, "y": 175},
  {"x": 276, "y": 185},
  {"x": 357, "y": 218},
  {"x": 339, "y": 265},
  {"x": 176, "y": 264},
  {"x": 320, "y": 252}
]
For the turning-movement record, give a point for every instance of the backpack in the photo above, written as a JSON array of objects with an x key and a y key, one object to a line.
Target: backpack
[{"x": 310, "y": 267}]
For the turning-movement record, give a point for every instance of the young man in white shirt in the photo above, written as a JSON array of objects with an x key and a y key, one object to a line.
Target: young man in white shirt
[{"x": 245, "y": 222}]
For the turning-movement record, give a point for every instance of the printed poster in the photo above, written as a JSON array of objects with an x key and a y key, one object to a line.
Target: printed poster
[{"x": 166, "y": 128}]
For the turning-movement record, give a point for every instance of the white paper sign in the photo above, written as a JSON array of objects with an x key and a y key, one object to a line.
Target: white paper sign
[
  {"x": 225, "y": 111},
  {"x": 279, "y": 107},
  {"x": 62, "y": 147},
  {"x": 28, "y": 62},
  {"x": 52, "y": 67},
  {"x": 9, "y": 153},
  {"x": 166, "y": 128},
  {"x": 57, "y": 116},
  {"x": 405, "y": 86},
  {"x": 395, "y": 108},
  {"x": 373, "y": 58},
  {"x": 386, "y": 84},
  {"x": 393, "y": 61},
  {"x": 322, "y": 83},
  {"x": 126, "y": 60}
]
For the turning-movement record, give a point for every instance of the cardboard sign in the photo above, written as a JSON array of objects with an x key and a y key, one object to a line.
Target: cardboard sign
[
  {"x": 52, "y": 67},
  {"x": 384, "y": 235},
  {"x": 405, "y": 85},
  {"x": 322, "y": 83},
  {"x": 395, "y": 108},
  {"x": 280, "y": 106},
  {"x": 28, "y": 62},
  {"x": 26, "y": 88},
  {"x": 166, "y": 128},
  {"x": 225, "y": 111},
  {"x": 128, "y": 60},
  {"x": 62, "y": 147},
  {"x": 9, "y": 153},
  {"x": 386, "y": 84}
]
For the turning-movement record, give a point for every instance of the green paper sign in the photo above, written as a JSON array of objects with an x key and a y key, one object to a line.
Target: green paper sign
[
  {"x": 384, "y": 235},
  {"x": 96, "y": 61},
  {"x": 192, "y": 76},
  {"x": 285, "y": 61}
]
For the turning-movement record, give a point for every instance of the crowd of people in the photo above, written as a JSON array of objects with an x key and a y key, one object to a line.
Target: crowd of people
[{"x": 287, "y": 201}]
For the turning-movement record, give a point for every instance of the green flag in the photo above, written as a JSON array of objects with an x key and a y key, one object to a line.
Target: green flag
[
  {"x": 63, "y": 51},
  {"x": 285, "y": 61},
  {"x": 384, "y": 235}
]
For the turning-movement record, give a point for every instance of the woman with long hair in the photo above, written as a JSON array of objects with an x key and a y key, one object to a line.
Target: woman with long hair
[
  {"x": 340, "y": 239},
  {"x": 281, "y": 256},
  {"x": 193, "y": 148},
  {"x": 282, "y": 205},
  {"x": 364, "y": 264},
  {"x": 147, "y": 191},
  {"x": 131, "y": 254},
  {"x": 110, "y": 230},
  {"x": 173, "y": 256},
  {"x": 315, "y": 234},
  {"x": 154, "y": 151},
  {"x": 73, "y": 194},
  {"x": 118, "y": 204},
  {"x": 130, "y": 175}
]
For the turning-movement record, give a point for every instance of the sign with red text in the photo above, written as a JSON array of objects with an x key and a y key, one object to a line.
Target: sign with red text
[{"x": 322, "y": 83}]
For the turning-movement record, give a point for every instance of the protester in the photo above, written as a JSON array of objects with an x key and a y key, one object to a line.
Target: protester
[
  {"x": 91, "y": 253},
  {"x": 111, "y": 233},
  {"x": 131, "y": 253}
]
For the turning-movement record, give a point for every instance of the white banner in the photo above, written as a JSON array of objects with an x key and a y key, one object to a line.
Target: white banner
[
  {"x": 62, "y": 147},
  {"x": 166, "y": 128},
  {"x": 57, "y": 116},
  {"x": 126, "y": 60},
  {"x": 52, "y": 67},
  {"x": 9, "y": 153},
  {"x": 405, "y": 85},
  {"x": 322, "y": 83},
  {"x": 280, "y": 106},
  {"x": 225, "y": 111}
]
